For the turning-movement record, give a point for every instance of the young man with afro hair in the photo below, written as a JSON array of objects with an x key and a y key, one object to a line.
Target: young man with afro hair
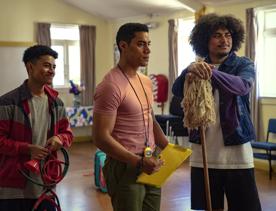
[{"x": 230, "y": 159}]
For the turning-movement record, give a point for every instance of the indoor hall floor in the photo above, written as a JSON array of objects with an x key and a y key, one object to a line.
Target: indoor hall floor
[{"x": 77, "y": 191}]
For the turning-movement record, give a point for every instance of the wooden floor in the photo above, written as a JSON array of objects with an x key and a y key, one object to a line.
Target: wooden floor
[{"x": 78, "y": 193}]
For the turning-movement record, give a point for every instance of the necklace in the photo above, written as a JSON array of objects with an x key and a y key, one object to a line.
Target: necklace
[{"x": 148, "y": 108}]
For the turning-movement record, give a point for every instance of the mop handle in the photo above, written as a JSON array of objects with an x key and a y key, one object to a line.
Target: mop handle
[{"x": 205, "y": 165}]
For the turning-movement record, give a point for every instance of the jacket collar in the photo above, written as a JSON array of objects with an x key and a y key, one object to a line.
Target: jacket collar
[
  {"x": 229, "y": 61},
  {"x": 25, "y": 93}
]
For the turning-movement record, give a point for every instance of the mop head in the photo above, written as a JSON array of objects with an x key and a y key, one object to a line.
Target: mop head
[{"x": 198, "y": 103}]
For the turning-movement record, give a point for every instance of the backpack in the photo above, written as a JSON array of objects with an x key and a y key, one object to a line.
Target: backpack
[{"x": 99, "y": 160}]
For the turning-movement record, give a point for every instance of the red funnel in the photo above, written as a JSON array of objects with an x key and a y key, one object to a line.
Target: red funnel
[{"x": 33, "y": 166}]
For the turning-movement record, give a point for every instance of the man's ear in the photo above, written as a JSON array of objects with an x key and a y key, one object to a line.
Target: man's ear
[
  {"x": 29, "y": 67},
  {"x": 122, "y": 45}
]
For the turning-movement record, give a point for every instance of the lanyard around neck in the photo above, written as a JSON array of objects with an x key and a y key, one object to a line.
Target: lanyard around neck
[{"x": 146, "y": 129}]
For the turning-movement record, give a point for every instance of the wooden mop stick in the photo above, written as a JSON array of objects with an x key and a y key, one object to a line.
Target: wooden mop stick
[{"x": 205, "y": 169}]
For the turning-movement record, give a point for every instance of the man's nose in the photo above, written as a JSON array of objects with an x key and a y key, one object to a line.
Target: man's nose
[
  {"x": 147, "y": 49},
  {"x": 224, "y": 38},
  {"x": 52, "y": 67}
]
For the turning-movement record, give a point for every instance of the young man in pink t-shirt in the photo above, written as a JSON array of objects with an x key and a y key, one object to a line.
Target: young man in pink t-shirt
[{"x": 124, "y": 126}]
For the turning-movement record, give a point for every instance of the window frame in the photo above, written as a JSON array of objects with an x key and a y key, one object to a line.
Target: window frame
[
  {"x": 263, "y": 34},
  {"x": 65, "y": 43},
  {"x": 186, "y": 43}
]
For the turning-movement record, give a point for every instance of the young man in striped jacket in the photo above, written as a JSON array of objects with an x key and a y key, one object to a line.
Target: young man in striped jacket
[{"x": 31, "y": 118}]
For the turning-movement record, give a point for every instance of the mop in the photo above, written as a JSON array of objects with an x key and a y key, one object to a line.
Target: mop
[{"x": 198, "y": 106}]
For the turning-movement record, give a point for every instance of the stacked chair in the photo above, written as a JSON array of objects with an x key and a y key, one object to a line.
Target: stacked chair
[{"x": 172, "y": 123}]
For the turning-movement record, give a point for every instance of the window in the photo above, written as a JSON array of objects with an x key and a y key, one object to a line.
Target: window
[
  {"x": 185, "y": 51},
  {"x": 65, "y": 40},
  {"x": 266, "y": 51}
]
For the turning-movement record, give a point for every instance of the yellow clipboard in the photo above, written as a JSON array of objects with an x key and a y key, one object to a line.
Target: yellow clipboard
[{"x": 173, "y": 156}]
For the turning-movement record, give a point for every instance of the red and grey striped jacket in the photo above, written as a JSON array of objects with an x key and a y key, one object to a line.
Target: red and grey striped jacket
[{"x": 16, "y": 132}]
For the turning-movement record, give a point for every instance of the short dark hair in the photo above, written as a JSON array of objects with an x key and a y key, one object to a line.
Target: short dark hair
[
  {"x": 33, "y": 53},
  {"x": 210, "y": 23},
  {"x": 127, "y": 32}
]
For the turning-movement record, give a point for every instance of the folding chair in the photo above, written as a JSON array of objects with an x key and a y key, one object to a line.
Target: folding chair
[
  {"x": 174, "y": 120},
  {"x": 269, "y": 147}
]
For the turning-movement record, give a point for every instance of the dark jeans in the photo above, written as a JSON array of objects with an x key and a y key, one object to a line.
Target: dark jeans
[{"x": 237, "y": 184}]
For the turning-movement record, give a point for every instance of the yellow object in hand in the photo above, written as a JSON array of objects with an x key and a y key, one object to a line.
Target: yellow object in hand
[
  {"x": 147, "y": 152},
  {"x": 174, "y": 156}
]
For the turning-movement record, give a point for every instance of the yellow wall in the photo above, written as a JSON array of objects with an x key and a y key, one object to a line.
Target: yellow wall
[
  {"x": 267, "y": 110},
  {"x": 18, "y": 18}
]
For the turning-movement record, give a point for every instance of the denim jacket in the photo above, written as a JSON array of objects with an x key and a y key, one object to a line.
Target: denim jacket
[{"x": 234, "y": 80}]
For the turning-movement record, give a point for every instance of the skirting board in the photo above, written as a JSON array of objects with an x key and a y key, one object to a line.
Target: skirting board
[
  {"x": 82, "y": 138},
  {"x": 263, "y": 165}
]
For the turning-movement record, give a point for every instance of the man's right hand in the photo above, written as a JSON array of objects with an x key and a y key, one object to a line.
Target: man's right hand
[
  {"x": 201, "y": 69},
  {"x": 151, "y": 165},
  {"x": 38, "y": 152}
]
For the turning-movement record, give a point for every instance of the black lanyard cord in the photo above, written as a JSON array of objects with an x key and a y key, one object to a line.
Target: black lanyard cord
[{"x": 146, "y": 130}]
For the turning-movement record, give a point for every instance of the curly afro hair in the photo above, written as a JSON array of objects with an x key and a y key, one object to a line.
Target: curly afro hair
[{"x": 210, "y": 23}]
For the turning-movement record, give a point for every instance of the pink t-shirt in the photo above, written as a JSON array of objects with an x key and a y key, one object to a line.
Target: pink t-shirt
[{"x": 114, "y": 95}]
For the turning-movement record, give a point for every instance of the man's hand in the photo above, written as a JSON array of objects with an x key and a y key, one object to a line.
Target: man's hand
[
  {"x": 38, "y": 152},
  {"x": 54, "y": 143},
  {"x": 202, "y": 70},
  {"x": 151, "y": 165}
]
